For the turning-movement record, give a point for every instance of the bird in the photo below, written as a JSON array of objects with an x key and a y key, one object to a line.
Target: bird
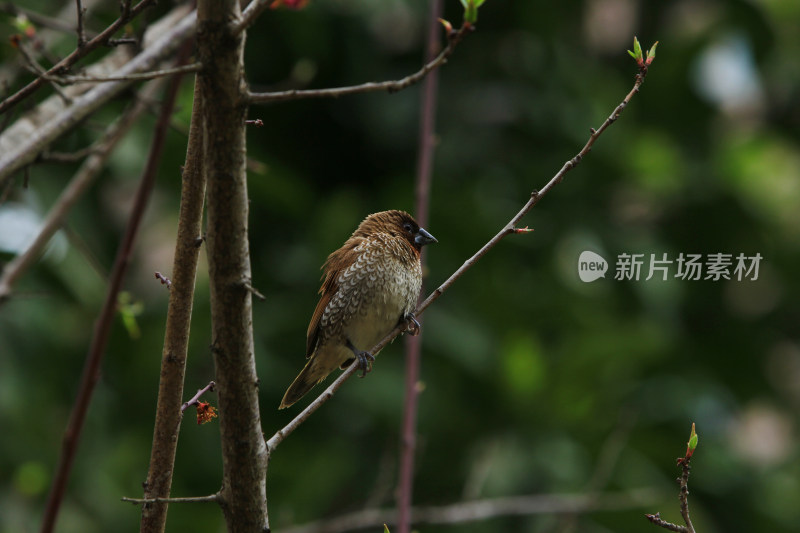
[{"x": 370, "y": 285}]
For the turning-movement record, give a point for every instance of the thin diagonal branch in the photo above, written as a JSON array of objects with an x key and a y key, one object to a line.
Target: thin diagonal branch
[
  {"x": 250, "y": 14},
  {"x": 26, "y": 150},
  {"x": 79, "y": 53},
  {"x": 326, "y": 395},
  {"x": 196, "y": 398},
  {"x": 389, "y": 86},
  {"x": 33, "y": 66},
  {"x": 509, "y": 229},
  {"x": 91, "y": 371},
  {"x": 68, "y": 80}
]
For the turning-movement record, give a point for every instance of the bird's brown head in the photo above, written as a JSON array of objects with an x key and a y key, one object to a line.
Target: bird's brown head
[{"x": 398, "y": 224}]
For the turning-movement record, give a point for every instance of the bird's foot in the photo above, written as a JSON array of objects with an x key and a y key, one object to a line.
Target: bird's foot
[
  {"x": 364, "y": 359},
  {"x": 412, "y": 324}
]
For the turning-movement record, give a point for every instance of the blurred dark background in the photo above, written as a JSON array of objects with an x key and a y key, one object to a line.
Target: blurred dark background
[{"x": 534, "y": 381}]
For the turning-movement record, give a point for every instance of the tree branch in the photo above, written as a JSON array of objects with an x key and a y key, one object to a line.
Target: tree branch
[
  {"x": 509, "y": 229},
  {"x": 413, "y": 345},
  {"x": 196, "y": 398},
  {"x": 79, "y": 53},
  {"x": 23, "y": 146},
  {"x": 91, "y": 371},
  {"x": 683, "y": 495},
  {"x": 224, "y": 99},
  {"x": 390, "y": 86},
  {"x": 179, "y": 315},
  {"x": 211, "y": 498},
  {"x": 81, "y": 30},
  {"x": 250, "y": 14},
  {"x": 88, "y": 171},
  {"x": 471, "y": 511},
  {"x": 68, "y": 80},
  {"x": 326, "y": 395}
]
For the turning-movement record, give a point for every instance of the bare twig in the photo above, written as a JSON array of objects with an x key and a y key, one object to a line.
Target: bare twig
[
  {"x": 164, "y": 280},
  {"x": 413, "y": 345},
  {"x": 660, "y": 522},
  {"x": 683, "y": 495},
  {"x": 123, "y": 40},
  {"x": 81, "y": 29},
  {"x": 91, "y": 372},
  {"x": 471, "y": 511},
  {"x": 211, "y": 498},
  {"x": 67, "y": 80},
  {"x": 36, "y": 68},
  {"x": 79, "y": 53},
  {"x": 196, "y": 397},
  {"x": 26, "y": 150},
  {"x": 390, "y": 86},
  {"x": 250, "y": 14},
  {"x": 70, "y": 157},
  {"x": 248, "y": 284}
]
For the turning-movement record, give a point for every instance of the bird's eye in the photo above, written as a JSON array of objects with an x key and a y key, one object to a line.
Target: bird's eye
[{"x": 408, "y": 227}]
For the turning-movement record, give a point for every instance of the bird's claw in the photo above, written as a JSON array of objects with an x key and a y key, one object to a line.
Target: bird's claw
[
  {"x": 412, "y": 324},
  {"x": 364, "y": 361}
]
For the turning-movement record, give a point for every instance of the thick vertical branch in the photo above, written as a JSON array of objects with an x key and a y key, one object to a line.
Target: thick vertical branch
[
  {"x": 414, "y": 343},
  {"x": 224, "y": 97},
  {"x": 176, "y": 337}
]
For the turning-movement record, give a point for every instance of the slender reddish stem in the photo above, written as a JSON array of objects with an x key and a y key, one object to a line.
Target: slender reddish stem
[{"x": 414, "y": 343}]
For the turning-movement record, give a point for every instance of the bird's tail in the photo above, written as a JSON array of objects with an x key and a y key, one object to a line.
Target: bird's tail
[{"x": 311, "y": 374}]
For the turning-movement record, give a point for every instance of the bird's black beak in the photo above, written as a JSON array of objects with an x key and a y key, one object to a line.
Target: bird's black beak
[{"x": 423, "y": 237}]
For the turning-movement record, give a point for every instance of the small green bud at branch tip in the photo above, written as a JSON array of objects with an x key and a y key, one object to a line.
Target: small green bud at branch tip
[{"x": 693, "y": 438}]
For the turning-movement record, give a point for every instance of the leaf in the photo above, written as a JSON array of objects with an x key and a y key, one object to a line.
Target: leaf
[
  {"x": 637, "y": 48},
  {"x": 651, "y": 54},
  {"x": 693, "y": 438}
]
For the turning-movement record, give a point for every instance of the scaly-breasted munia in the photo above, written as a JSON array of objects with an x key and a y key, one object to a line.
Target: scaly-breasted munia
[{"x": 370, "y": 285}]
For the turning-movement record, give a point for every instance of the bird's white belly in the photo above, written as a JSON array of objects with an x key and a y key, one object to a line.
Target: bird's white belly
[{"x": 367, "y": 328}]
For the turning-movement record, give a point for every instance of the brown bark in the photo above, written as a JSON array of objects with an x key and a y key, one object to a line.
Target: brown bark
[
  {"x": 224, "y": 97},
  {"x": 176, "y": 337}
]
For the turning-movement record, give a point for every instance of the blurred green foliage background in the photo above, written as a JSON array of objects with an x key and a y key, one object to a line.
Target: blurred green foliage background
[{"x": 531, "y": 377}]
